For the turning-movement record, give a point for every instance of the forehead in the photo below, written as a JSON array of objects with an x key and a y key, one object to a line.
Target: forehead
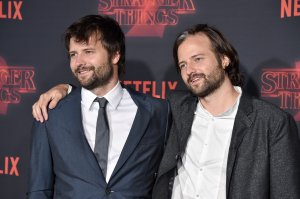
[
  {"x": 198, "y": 43},
  {"x": 93, "y": 40}
]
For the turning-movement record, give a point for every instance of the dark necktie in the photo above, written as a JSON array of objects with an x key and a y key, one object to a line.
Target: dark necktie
[{"x": 102, "y": 136}]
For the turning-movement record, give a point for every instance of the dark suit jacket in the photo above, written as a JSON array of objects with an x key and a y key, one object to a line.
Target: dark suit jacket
[
  {"x": 64, "y": 166},
  {"x": 264, "y": 154}
]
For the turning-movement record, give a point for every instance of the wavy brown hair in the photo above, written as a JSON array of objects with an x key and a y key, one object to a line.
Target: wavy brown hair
[{"x": 220, "y": 46}]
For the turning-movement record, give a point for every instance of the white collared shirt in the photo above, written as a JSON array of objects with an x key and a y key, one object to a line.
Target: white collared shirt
[
  {"x": 121, "y": 111},
  {"x": 202, "y": 173}
]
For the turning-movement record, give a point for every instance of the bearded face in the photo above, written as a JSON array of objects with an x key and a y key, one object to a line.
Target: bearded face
[
  {"x": 91, "y": 77},
  {"x": 202, "y": 85},
  {"x": 200, "y": 69},
  {"x": 90, "y": 63}
]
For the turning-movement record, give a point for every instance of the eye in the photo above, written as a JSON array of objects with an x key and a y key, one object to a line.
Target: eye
[
  {"x": 89, "y": 51},
  {"x": 197, "y": 59},
  {"x": 182, "y": 66},
  {"x": 71, "y": 55}
]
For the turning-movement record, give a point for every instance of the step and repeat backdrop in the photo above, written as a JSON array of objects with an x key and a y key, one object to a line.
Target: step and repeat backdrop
[{"x": 266, "y": 34}]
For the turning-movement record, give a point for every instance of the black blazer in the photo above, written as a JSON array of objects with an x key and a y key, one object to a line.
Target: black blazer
[
  {"x": 264, "y": 154},
  {"x": 64, "y": 166}
]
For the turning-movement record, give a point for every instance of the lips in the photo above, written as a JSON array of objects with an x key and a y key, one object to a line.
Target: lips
[
  {"x": 82, "y": 70},
  {"x": 193, "y": 78}
]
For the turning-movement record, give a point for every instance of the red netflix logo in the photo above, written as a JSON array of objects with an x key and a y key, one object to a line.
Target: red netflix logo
[
  {"x": 283, "y": 84},
  {"x": 154, "y": 88},
  {"x": 11, "y": 10},
  {"x": 290, "y": 8},
  {"x": 9, "y": 166}
]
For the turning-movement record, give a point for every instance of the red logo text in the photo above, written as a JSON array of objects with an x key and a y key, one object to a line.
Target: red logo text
[
  {"x": 154, "y": 88},
  {"x": 282, "y": 84},
  {"x": 14, "y": 81},
  {"x": 11, "y": 10},
  {"x": 290, "y": 8},
  {"x": 9, "y": 166},
  {"x": 146, "y": 17}
]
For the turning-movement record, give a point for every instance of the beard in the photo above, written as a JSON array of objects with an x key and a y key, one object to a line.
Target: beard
[
  {"x": 100, "y": 77},
  {"x": 211, "y": 82}
]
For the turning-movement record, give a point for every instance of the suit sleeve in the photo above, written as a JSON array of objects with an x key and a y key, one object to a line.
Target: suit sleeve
[
  {"x": 41, "y": 178},
  {"x": 285, "y": 160}
]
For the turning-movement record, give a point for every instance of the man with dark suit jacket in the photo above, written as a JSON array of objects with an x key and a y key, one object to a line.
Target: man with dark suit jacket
[
  {"x": 65, "y": 162},
  {"x": 224, "y": 143}
]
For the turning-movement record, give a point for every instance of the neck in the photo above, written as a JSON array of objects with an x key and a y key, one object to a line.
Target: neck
[
  {"x": 103, "y": 90},
  {"x": 221, "y": 99}
]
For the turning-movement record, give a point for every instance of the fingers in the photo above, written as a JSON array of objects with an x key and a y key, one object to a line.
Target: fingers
[
  {"x": 36, "y": 112},
  {"x": 54, "y": 102},
  {"x": 44, "y": 112},
  {"x": 39, "y": 109},
  {"x": 48, "y": 99},
  {"x": 57, "y": 93}
]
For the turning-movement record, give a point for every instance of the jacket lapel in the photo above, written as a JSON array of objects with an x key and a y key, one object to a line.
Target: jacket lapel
[
  {"x": 240, "y": 129},
  {"x": 76, "y": 128},
  {"x": 182, "y": 114},
  {"x": 137, "y": 131},
  {"x": 186, "y": 120}
]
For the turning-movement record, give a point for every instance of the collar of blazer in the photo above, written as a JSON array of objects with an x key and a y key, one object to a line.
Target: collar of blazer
[
  {"x": 182, "y": 105},
  {"x": 137, "y": 131},
  {"x": 241, "y": 127}
]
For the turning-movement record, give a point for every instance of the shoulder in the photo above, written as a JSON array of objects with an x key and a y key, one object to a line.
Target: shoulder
[
  {"x": 179, "y": 98},
  {"x": 179, "y": 94},
  {"x": 264, "y": 110},
  {"x": 68, "y": 102},
  {"x": 263, "y": 106},
  {"x": 137, "y": 96}
]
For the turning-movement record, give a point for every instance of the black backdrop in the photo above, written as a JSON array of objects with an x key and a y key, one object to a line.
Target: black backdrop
[{"x": 33, "y": 58}]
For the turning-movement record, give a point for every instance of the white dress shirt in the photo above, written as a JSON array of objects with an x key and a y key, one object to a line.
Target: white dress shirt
[
  {"x": 202, "y": 173},
  {"x": 121, "y": 111}
]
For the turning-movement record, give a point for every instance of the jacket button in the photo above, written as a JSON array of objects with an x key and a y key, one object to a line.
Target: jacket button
[{"x": 108, "y": 191}]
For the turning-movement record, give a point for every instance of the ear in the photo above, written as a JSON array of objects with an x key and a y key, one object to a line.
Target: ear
[
  {"x": 115, "y": 58},
  {"x": 225, "y": 61}
]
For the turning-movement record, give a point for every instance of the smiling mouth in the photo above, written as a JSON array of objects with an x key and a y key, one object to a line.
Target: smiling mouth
[
  {"x": 196, "y": 78},
  {"x": 84, "y": 70},
  {"x": 196, "y": 81}
]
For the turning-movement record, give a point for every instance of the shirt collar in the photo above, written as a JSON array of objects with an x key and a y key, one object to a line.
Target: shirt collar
[{"x": 113, "y": 97}]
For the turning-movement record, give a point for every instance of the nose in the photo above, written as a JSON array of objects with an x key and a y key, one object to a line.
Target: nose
[
  {"x": 189, "y": 68},
  {"x": 79, "y": 60}
]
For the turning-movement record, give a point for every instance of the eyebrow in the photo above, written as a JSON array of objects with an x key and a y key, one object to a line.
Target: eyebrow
[
  {"x": 89, "y": 48},
  {"x": 181, "y": 62},
  {"x": 199, "y": 54}
]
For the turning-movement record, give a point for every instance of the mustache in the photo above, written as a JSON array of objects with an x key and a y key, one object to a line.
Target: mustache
[
  {"x": 84, "y": 68},
  {"x": 193, "y": 76}
]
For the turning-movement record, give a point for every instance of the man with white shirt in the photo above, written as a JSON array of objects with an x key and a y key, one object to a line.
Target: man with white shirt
[
  {"x": 224, "y": 143},
  {"x": 103, "y": 140}
]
